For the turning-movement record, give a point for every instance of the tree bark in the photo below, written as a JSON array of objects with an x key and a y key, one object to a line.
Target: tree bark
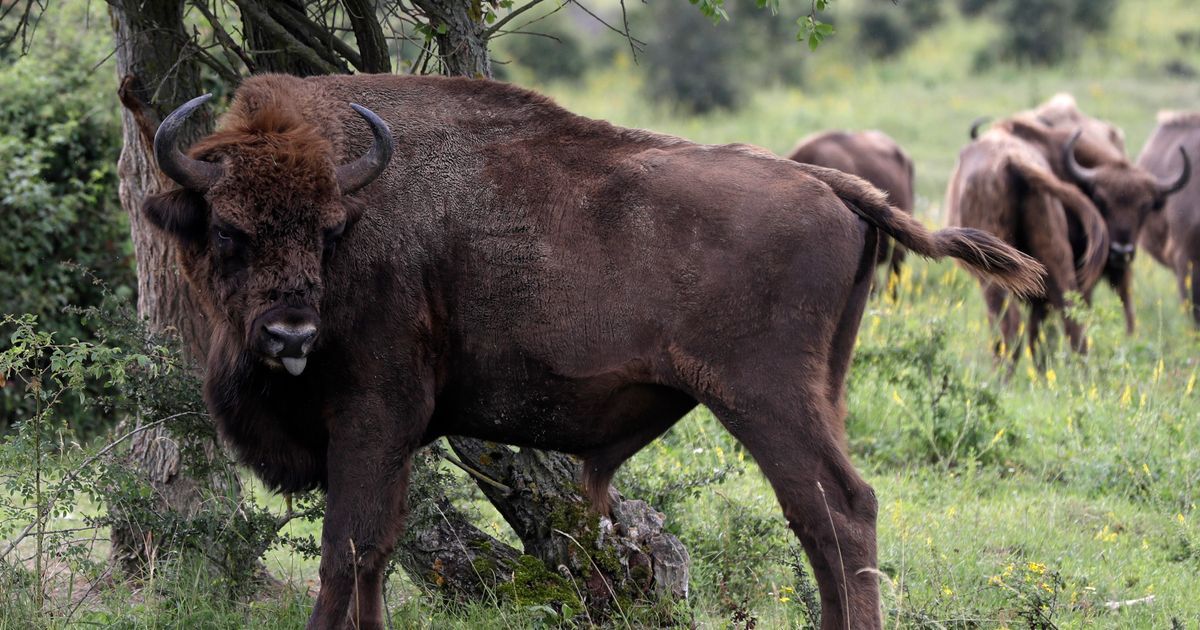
[
  {"x": 152, "y": 60},
  {"x": 460, "y": 36}
]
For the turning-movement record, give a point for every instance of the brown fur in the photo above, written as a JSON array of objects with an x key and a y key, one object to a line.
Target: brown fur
[
  {"x": 875, "y": 157},
  {"x": 1173, "y": 236},
  {"x": 1061, "y": 110},
  {"x": 525, "y": 275},
  {"x": 1125, "y": 194},
  {"x": 1004, "y": 186}
]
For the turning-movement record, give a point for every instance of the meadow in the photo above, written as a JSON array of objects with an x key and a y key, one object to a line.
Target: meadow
[{"x": 1056, "y": 498}]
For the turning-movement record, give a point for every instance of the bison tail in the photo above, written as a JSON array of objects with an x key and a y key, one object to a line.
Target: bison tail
[
  {"x": 1091, "y": 264},
  {"x": 982, "y": 253}
]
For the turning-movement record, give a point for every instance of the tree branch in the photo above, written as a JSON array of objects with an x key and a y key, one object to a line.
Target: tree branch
[
  {"x": 223, "y": 36},
  {"x": 372, "y": 45},
  {"x": 329, "y": 45},
  {"x": 261, "y": 17},
  {"x": 495, "y": 28}
]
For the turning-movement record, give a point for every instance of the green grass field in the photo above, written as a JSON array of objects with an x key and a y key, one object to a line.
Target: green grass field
[{"x": 1036, "y": 499}]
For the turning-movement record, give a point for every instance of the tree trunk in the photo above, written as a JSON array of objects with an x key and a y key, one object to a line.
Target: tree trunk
[
  {"x": 538, "y": 492},
  {"x": 460, "y": 36},
  {"x": 150, "y": 46}
]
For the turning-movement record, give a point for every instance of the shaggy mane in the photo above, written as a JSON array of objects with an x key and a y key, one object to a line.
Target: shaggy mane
[{"x": 264, "y": 121}]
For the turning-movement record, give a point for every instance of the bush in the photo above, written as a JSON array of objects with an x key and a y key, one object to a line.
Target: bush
[
  {"x": 883, "y": 32},
  {"x": 973, "y": 8},
  {"x": 923, "y": 14},
  {"x": 554, "y": 54},
  {"x": 59, "y": 142},
  {"x": 689, "y": 61},
  {"x": 1045, "y": 32},
  {"x": 912, "y": 403}
]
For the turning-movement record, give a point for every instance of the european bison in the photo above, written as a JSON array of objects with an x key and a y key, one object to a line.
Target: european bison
[
  {"x": 1125, "y": 194},
  {"x": 875, "y": 157},
  {"x": 520, "y": 274},
  {"x": 1063, "y": 111},
  {"x": 1173, "y": 236},
  {"x": 1006, "y": 186}
]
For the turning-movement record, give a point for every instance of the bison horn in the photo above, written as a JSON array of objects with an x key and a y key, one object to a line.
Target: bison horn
[
  {"x": 1170, "y": 188},
  {"x": 976, "y": 124},
  {"x": 1082, "y": 175},
  {"x": 364, "y": 170},
  {"x": 191, "y": 174}
]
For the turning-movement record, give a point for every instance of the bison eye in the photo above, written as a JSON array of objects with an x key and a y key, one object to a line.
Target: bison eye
[
  {"x": 228, "y": 241},
  {"x": 331, "y": 237}
]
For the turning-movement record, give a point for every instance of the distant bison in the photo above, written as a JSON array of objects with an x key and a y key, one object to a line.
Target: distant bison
[
  {"x": 1125, "y": 194},
  {"x": 1005, "y": 185},
  {"x": 512, "y": 272},
  {"x": 1173, "y": 236},
  {"x": 875, "y": 157},
  {"x": 1063, "y": 111}
]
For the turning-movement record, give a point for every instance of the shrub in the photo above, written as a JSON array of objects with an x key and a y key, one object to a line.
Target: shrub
[
  {"x": 883, "y": 31},
  {"x": 922, "y": 14},
  {"x": 689, "y": 61},
  {"x": 553, "y": 54},
  {"x": 1045, "y": 32},
  {"x": 912, "y": 403},
  {"x": 973, "y": 8},
  {"x": 59, "y": 142}
]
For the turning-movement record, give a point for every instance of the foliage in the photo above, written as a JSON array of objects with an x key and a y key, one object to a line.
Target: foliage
[
  {"x": 54, "y": 472},
  {"x": 553, "y": 53},
  {"x": 58, "y": 200},
  {"x": 945, "y": 416},
  {"x": 885, "y": 30},
  {"x": 882, "y": 32},
  {"x": 701, "y": 67},
  {"x": 690, "y": 62},
  {"x": 1044, "y": 32}
]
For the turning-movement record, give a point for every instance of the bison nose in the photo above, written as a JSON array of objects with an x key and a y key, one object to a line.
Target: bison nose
[{"x": 290, "y": 343}]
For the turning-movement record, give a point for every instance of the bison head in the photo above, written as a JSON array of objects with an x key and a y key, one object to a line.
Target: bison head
[
  {"x": 258, "y": 217},
  {"x": 1124, "y": 194}
]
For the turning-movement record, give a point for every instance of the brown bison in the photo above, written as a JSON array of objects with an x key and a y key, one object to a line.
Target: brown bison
[
  {"x": 1173, "y": 236},
  {"x": 1125, "y": 194},
  {"x": 1005, "y": 185},
  {"x": 509, "y": 271},
  {"x": 875, "y": 157},
  {"x": 1062, "y": 111}
]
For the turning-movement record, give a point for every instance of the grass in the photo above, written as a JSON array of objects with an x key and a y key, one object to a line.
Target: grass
[{"x": 1076, "y": 488}]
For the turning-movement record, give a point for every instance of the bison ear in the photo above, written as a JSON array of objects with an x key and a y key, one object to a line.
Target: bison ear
[{"x": 180, "y": 213}]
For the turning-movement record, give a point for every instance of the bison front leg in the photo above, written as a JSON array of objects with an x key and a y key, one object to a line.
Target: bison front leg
[{"x": 366, "y": 506}]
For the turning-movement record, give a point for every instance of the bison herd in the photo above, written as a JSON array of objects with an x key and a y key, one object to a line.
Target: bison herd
[
  {"x": 464, "y": 257},
  {"x": 1057, "y": 185}
]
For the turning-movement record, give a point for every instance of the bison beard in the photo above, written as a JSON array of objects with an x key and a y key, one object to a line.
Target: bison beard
[{"x": 520, "y": 274}]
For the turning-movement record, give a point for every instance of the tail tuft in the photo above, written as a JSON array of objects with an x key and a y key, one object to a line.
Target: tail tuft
[
  {"x": 994, "y": 259},
  {"x": 982, "y": 253}
]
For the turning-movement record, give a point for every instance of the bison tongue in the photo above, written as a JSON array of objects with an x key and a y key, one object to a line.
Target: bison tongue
[{"x": 294, "y": 365}]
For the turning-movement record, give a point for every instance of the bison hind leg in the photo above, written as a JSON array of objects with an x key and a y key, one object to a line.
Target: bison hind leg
[{"x": 644, "y": 413}]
